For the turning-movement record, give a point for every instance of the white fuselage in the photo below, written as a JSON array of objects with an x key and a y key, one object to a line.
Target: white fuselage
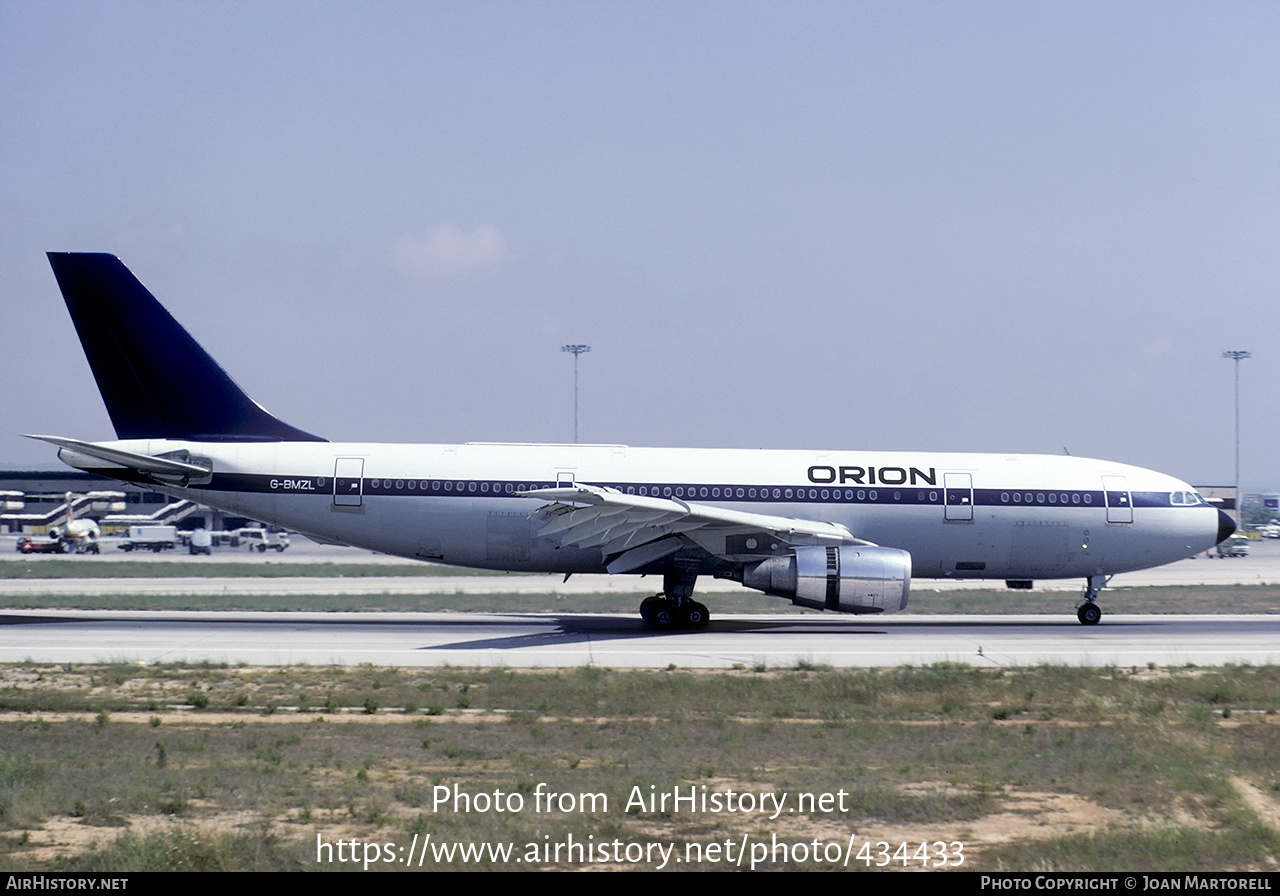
[{"x": 977, "y": 516}]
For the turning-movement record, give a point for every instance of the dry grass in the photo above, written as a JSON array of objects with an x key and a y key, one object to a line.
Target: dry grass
[{"x": 115, "y": 767}]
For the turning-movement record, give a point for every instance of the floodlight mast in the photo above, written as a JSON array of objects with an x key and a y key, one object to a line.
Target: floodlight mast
[
  {"x": 1238, "y": 356},
  {"x": 575, "y": 350}
]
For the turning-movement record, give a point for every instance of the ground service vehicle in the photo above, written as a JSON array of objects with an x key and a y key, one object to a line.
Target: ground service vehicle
[
  {"x": 150, "y": 538},
  {"x": 261, "y": 540},
  {"x": 28, "y": 545}
]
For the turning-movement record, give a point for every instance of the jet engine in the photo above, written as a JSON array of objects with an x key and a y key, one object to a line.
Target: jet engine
[{"x": 848, "y": 578}]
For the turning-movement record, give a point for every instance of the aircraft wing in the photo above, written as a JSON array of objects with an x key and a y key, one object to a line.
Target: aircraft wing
[{"x": 632, "y": 530}]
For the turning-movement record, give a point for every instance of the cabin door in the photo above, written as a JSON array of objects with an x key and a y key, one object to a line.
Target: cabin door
[
  {"x": 348, "y": 482},
  {"x": 1119, "y": 499},
  {"x": 957, "y": 490}
]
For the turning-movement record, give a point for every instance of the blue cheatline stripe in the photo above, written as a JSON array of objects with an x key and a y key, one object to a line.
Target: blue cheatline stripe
[{"x": 755, "y": 494}]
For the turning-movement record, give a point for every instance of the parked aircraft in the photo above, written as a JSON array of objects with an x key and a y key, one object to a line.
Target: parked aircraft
[
  {"x": 836, "y": 530},
  {"x": 79, "y": 535}
]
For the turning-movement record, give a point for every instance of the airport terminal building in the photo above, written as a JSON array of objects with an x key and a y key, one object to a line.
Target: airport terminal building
[{"x": 33, "y": 501}]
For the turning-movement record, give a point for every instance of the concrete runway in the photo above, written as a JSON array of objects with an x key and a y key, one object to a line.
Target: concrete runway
[
  {"x": 565, "y": 640},
  {"x": 619, "y": 640}
]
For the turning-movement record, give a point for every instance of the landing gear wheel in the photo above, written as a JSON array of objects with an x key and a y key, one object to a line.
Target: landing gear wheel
[
  {"x": 694, "y": 616},
  {"x": 1089, "y": 613},
  {"x": 662, "y": 614},
  {"x": 647, "y": 605}
]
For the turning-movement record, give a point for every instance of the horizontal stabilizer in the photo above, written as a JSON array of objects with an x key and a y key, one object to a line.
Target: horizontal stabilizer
[{"x": 129, "y": 460}]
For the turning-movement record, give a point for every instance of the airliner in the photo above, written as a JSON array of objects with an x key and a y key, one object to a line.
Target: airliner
[
  {"x": 81, "y": 535},
  {"x": 831, "y": 530}
]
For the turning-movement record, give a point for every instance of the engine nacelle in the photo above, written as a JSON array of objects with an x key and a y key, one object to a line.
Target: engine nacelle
[{"x": 849, "y": 578}]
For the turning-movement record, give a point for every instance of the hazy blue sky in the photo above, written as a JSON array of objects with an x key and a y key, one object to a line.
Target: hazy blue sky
[{"x": 973, "y": 226}]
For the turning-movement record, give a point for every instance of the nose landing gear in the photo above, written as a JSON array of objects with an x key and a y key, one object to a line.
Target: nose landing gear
[{"x": 1089, "y": 612}]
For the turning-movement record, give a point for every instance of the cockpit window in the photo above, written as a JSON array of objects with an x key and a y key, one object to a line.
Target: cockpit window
[{"x": 1186, "y": 499}]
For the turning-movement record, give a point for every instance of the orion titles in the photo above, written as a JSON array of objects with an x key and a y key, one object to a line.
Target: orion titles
[{"x": 825, "y": 475}]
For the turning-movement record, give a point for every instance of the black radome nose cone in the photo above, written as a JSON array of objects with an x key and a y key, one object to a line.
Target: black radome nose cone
[{"x": 1226, "y": 526}]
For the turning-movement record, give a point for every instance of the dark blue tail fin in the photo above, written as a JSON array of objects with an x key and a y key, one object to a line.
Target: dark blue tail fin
[{"x": 157, "y": 382}]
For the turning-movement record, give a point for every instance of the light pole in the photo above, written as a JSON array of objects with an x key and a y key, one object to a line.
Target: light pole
[
  {"x": 575, "y": 350},
  {"x": 1238, "y": 357}
]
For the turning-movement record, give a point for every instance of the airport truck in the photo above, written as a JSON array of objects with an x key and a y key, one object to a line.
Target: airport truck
[
  {"x": 1235, "y": 546},
  {"x": 150, "y": 538}
]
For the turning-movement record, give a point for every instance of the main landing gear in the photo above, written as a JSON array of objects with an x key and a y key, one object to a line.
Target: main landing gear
[
  {"x": 1089, "y": 612},
  {"x": 675, "y": 607}
]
